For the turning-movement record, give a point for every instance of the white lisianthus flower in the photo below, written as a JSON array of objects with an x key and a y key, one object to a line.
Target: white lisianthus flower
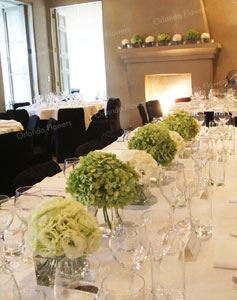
[
  {"x": 125, "y": 42},
  {"x": 177, "y": 38},
  {"x": 205, "y": 35},
  {"x": 149, "y": 39},
  {"x": 143, "y": 163},
  {"x": 62, "y": 226},
  {"x": 179, "y": 142}
]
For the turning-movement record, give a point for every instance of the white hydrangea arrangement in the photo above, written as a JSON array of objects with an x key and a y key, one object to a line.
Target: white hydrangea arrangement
[
  {"x": 177, "y": 38},
  {"x": 179, "y": 142},
  {"x": 63, "y": 226},
  {"x": 125, "y": 42},
  {"x": 205, "y": 35},
  {"x": 149, "y": 39},
  {"x": 143, "y": 163}
]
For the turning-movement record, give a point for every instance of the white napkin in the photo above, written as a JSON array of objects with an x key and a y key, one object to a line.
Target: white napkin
[{"x": 225, "y": 255}]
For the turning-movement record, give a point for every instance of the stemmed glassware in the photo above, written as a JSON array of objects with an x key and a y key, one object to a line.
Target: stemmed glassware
[
  {"x": 169, "y": 179},
  {"x": 26, "y": 200},
  {"x": 69, "y": 165},
  {"x": 127, "y": 249}
]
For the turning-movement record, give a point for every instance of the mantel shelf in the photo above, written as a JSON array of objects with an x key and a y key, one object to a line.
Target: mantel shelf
[{"x": 169, "y": 53}]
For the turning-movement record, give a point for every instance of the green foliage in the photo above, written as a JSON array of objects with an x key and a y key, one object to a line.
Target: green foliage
[
  {"x": 136, "y": 39},
  {"x": 155, "y": 139},
  {"x": 163, "y": 36},
  {"x": 182, "y": 122},
  {"x": 193, "y": 35},
  {"x": 101, "y": 180}
]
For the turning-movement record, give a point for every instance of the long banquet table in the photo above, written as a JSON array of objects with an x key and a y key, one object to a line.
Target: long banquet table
[
  {"x": 46, "y": 111},
  {"x": 203, "y": 281},
  {"x": 7, "y": 126}
]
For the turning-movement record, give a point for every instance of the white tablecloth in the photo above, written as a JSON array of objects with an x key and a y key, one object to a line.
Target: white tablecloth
[
  {"x": 203, "y": 281},
  {"x": 47, "y": 111},
  {"x": 10, "y": 126}
]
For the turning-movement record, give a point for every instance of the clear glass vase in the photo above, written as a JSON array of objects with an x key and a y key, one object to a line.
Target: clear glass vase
[
  {"x": 45, "y": 269},
  {"x": 112, "y": 220}
]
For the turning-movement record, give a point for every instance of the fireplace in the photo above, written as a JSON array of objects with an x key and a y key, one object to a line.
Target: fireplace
[
  {"x": 181, "y": 68},
  {"x": 167, "y": 87}
]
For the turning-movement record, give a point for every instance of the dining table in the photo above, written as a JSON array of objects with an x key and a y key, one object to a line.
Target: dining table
[
  {"x": 208, "y": 277},
  {"x": 45, "y": 111},
  {"x": 7, "y": 126}
]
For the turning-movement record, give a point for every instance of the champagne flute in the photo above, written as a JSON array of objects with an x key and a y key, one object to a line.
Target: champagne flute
[{"x": 168, "y": 186}]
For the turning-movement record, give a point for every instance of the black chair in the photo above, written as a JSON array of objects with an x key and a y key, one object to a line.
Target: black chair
[
  {"x": 44, "y": 151},
  {"x": 185, "y": 99},
  {"x": 20, "y": 115},
  {"x": 8, "y": 115},
  {"x": 16, "y": 105},
  {"x": 36, "y": 174},
  {"x": 33, "y": 123},
  {"x": 69, "y": 133},
  {"x": 142, "y": 113},
  {"x": 101, "y": 123},
  {"x": 103, "y": 130},
  {"x": 153, "y": 109},
  {"x": 16, "y": 155}
]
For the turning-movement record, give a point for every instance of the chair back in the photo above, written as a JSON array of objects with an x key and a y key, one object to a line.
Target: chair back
[
  {"x": 21, "y": 115},
  {"x": 69, "y": 132},
  {"x": 7, "y": 115},
  {"x": 33, "y": 123},
  {"x": 142, "y": 113},
  {"x": 113, "y": 113},
  {"x": 15, "y": 156},
  {"x": 185, "y": 99},
  {"x": 16, "y": 105},
  {"x": 153, "y": 109},
  {"x": 36, "y": 173}
]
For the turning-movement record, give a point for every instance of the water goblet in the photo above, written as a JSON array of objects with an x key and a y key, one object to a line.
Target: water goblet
[
  {"x": 27, "y": 199},
  {"x": 168, "y": 186},
  {"x": 8, "y": 286},
  {"x": 69, "y": 165}
]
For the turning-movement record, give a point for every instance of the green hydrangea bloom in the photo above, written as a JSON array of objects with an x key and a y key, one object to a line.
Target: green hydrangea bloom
[
  {"x": 155, "y": 139},
  {"x": 182, "y": 122},
  {"x": 163, "y": 36},
  {"x": 101, "y": 180},
  {"x": 63, "y": 226},
  {"x": 136, "y": 39}
]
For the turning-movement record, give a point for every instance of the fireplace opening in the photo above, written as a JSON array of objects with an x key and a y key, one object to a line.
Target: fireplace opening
[{"x": 167, "y": 87}]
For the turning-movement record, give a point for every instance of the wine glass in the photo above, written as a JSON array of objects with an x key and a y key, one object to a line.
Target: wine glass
[
  {"x": 27, "y": 199},
  {"x": 8, "y": 286},
  {"x": 127, "y": 249},
  {"x": 77, "y": 278},
  {"x": 168, "y": 186},
  {"x": 199, "y": 116},
  {"x": 69, "y": 165}
]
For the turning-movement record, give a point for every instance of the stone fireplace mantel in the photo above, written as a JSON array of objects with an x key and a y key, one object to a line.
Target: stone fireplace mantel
[
  {"x": 193, "y": 60},
  {"x": 169, "y": 53}
]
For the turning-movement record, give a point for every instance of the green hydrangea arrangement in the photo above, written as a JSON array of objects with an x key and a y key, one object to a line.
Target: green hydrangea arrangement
[
  {"x": 103, "y": 181},
  {"x": 163, "y": 36},
  {"x": 155, "y": 139},
  {"x": 137, "y": 38},
  {"x": 63, "y": 226},
  {"x": 182, "y": 122},
  {"x": 192, "y": 35}
]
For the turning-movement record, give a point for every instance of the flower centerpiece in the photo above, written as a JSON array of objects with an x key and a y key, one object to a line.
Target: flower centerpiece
[
  {"x": 146, "y": 166},
  {"x": 103, "y": 181},
  {"x": 163, "y": 38},
  {"x": 205, "y": 37},
  {"x": 192, "y": 36},
  {"x": 155, "y": 139},
  {"x": 58, "y": 227},
  {"x": 125, "y": 43},
  {"x": 177, "y": 39},
  {"x": 136, "y": 41},
  {"x": 182, "y": 122},
  {"x": 150, "y": 41}
]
